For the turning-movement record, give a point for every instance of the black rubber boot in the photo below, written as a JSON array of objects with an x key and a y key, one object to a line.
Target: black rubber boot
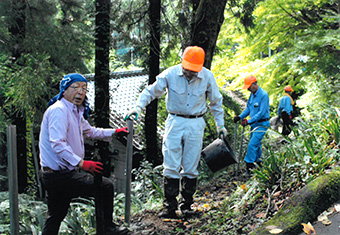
[
  {"x": 170, "y": 204},
  {"x": 249, "y": 166},
  {"x": 188, "y": 189},
  {"x": 259, "y": 163}
]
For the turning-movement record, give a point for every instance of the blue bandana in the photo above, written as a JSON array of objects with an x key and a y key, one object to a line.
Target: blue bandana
[{"x": 65, "y": 83}]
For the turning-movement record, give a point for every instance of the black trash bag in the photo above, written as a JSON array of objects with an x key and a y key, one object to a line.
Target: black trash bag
[{"x": 219, "y": 155}]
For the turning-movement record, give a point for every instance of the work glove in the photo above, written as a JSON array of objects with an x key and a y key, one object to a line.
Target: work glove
[
  {"x": 244, "y": 122},
  {"x": 93, "y": 167},
  {"x": 135, "y": 111},
  {"x": 221, "y": 132},
  {"x": 237, "y": 118},
  {"x": 123, "y": 131}
]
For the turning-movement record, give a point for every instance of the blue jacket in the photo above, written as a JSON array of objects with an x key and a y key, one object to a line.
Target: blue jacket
[
  {"x": 257, "y": 107},
  {"x": 285, "y": 105}
]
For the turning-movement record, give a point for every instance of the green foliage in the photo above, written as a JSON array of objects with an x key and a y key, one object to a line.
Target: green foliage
[
  {"x": 147, "y": 186},
  {"x": 332, "y": 127},
  {"x": 80, "y": 218},
  {"x": 63, "y": 31},
  {"x": 271, "y": 171},
  {"x": 309, "y": 151},
  {"x": 146, "y": 189},
  {"x": 292, "y": 42},
  {"x": 31, "y": 214},
  {"x": 26, "y": 87}
]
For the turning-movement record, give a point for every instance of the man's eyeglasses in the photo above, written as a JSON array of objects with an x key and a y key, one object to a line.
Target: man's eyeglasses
[
  {"x": 82, "y": 89},
  {"x": 189, "y": 73}
]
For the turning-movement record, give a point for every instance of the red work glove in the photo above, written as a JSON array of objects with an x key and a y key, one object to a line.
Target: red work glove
[
  {"x": 124, "y": 130},
  {"x": 92, "y": 166},
  {"x": 290, "y": 116},
  {"x": 244, "y": 122}
]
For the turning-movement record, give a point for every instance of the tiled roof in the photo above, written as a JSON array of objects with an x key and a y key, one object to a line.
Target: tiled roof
[{"x": 125, "y": 88}]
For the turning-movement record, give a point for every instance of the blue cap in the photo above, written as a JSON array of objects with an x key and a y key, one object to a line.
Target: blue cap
[{"x": 65, "y": 83}]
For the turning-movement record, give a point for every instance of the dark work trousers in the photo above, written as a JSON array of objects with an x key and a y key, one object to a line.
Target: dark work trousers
[
  {"x": 287, "y": 123},
  {"x": 63, "y": 186}
]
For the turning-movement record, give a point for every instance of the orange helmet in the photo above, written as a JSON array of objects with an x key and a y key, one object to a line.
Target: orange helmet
[
  {"x": 288, "y": 88},
  {"x": 193, "y": 58},
  {"x": 248, "y": 81}
]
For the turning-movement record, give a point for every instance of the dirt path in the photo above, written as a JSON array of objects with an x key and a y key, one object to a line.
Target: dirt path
[{"x": 208, "y": 197}]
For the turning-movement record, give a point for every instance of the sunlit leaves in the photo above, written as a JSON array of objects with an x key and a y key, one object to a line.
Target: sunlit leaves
[{"x": 301, "y": 37}]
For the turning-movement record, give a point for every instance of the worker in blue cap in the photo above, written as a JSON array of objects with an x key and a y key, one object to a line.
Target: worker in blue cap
[{"x": 64, "y": 172}]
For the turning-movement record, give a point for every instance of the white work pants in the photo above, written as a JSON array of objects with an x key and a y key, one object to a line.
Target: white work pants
[{"x": 182, "y": 146}]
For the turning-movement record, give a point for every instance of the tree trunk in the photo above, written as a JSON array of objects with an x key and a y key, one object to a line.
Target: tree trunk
[
  {"x": 208, "y": 19},
  {"x": 18, "y": 32},
  {"x": 305, "y": 205},
  {"x": 152, "y": 149},
  {"x": 102, "y": 97},
  {"x": 102, "y": 77},
  {"x": 339, "y": 12}
]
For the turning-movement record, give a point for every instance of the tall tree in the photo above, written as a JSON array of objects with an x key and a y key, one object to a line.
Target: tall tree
[
  {"x": 152, "y": 149},
  {"x": 102, "y": 76},
  {"x": 208, "y": 19},
  {"x": 17, "y": 29},
  {"x": 102, "y": 96}
]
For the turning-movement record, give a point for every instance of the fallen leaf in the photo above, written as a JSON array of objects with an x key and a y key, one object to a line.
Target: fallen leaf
[
  {"x": 277, "y": 194},
  {"x": 206, "y": 206},
  {"x": 275, "y": 231},
  {"x": 337, "y": 207},
  {"x": 244, "y": 186},
  {"x": 261, "y": 215},
  {"x": 327, "y": 222},
  {"x": 308, "y": 228},
  {"x": 322, "y": 217},
  {"x": 280, "y": 202}
]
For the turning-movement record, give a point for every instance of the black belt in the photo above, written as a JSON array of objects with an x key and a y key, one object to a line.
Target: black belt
[
  {"x": 46, "y": 169},
  {"x": 187, "y": 116},
  {"x": 263, "y": 120}
]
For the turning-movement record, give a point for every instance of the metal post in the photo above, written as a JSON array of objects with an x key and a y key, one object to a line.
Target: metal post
[
  {"x": 13, "y": 178},
  {"x": 240, "y": 153},
  {"x": 100, "y": 226},
  {"x": 235, "y": 147},
  {"x": 129, "y": 150},
  {"x": 36, "y": 164}
]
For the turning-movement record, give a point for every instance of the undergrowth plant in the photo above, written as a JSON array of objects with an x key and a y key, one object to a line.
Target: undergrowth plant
[
  {"x": 311, "y": 148},
  {"x": 146, "y": 189}
]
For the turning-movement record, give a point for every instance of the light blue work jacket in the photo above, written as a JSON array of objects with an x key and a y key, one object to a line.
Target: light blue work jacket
[
  {"x": 285, "y": 105},
  {"x": 257, "y": 107}
]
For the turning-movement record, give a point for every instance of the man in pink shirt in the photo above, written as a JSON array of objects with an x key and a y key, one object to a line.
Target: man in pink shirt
[{"x": 64, "y": 172}]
